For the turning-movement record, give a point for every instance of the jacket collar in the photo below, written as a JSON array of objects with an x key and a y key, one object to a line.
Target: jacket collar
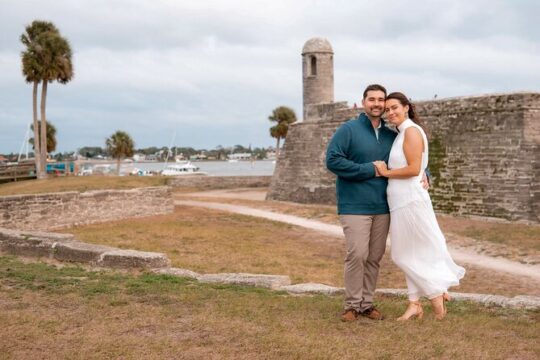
[{"x": 364, "y": 119}]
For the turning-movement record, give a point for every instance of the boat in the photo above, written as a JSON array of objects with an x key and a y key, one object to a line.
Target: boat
[{"x": 184, "y": 168}]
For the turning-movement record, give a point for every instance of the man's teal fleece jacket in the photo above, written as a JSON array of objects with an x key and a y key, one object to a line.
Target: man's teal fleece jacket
[{"x": 350, "y": 155}]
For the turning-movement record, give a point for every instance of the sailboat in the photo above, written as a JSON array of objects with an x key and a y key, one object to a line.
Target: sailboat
[{"x": 180, "y": 167}]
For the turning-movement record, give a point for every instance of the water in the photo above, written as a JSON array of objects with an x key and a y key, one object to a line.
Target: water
[{"x": 219, "y": 168}]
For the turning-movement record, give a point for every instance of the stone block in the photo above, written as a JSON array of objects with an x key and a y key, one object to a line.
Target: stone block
[
  {"x": 27, "y": 246},
  {"x": 266, "y": 281},
  {"x": 312, "y": 288},
  {"x": 133, "y": 259},
  {"x": 79, "y": 252},
  {"x": 525, "y": 302},
  {"x": 178, "y": 272}
]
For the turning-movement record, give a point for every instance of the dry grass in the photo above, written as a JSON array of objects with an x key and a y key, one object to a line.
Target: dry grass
[
  {"x": 324, "y": 213},
  {"x": 210, "y": 241},
  {"x": 517, "y": 242},
  {"x": 80, "y": 183},
  {"x": 213, "y": 241},
  {"x": 68, "y": 313}
]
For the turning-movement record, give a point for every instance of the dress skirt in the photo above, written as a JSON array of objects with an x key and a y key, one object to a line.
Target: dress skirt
[{"x": 419, "y": 249}]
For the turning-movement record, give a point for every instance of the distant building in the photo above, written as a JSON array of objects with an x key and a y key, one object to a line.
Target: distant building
[
  {"x": 270, "y": 154},
  {"x": 239, "y": 156},
  {"x": 139, "y": 157},
  {"x": 197, "y": 157}
]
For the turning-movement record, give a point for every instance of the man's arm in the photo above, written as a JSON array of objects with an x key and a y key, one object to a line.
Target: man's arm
[{"x": 338, "y": 163}]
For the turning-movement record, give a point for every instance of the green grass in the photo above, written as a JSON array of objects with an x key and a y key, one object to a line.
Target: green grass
[{"x": 61, "y": 313}]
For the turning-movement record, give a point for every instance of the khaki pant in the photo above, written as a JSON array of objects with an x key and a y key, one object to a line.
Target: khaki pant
[{"x": 365, "y": 237}]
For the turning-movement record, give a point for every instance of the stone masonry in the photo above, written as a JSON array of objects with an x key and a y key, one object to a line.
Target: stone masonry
[
  {"x": 220, "y": 182},
  {"x": 484, "y": 155},
  {"x": 60, "y": 210}
]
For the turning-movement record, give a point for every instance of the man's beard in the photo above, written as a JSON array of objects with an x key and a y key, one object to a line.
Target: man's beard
[{"x": 379, "y": 110}]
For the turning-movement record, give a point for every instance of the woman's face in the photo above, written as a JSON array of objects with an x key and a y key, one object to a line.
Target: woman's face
[{"x": 395, "y": 112}]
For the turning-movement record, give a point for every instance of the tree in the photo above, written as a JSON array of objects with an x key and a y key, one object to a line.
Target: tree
[
  {"x": 51, "y": 137},
  {"x": 91, "y": 151},
  {"x": 283, "y": 116},
  {"x": 32, "y": 71},
  {"x": 119, "y": 146},
  {"x": 47, "y": 58}
]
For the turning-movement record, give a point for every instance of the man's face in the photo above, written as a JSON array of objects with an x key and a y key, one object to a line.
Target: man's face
[{"x": 374, "y": 103}]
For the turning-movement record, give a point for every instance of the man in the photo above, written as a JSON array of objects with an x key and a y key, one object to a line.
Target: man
[{"x": 361, "y": 199}]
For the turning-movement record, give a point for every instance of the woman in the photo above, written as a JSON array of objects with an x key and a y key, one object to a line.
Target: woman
[{"x": 418, "y": 245}]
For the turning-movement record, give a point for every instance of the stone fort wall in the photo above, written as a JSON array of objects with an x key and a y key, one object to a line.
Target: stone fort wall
[
  {"x": 484, "y": 155},
  {"x": 59, "y": 210},
  {"x": 219, "y": 182}
]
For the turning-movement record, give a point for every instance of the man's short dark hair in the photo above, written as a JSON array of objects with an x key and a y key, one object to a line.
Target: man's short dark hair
[{"x": 374, "y": 87}]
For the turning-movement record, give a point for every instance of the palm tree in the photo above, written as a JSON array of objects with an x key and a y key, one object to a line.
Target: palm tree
[
  {"x": 32, "y": 69},
  {"x": 284, "y": 116},
  {"x": 51, "y": 137},
  {"x": 48, "y": 59},
  {"x": 120, "y": 145}
]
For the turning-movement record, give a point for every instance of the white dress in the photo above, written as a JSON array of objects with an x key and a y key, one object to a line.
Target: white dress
[{"x": 417, "y": 243}]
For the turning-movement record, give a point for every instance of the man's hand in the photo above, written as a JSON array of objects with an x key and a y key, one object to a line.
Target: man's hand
[
  {"x": 425, "y": 182},
  {"x": 377, "y": 174}
]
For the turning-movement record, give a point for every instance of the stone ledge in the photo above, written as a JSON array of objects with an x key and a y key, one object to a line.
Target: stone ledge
[
  {"x": 27, "y": 246},
  {"x": 79, "y": 252},
  {"x": 22, "y": 234},
  {"x": 133, "y": 259},
  {"x": 312, "y": 288},
  {"x": 517, "y": 302},
  {"x": 178, "y": 272},
  {"x": 274, "y": 282},
  {"x": 62, "y": 247}
]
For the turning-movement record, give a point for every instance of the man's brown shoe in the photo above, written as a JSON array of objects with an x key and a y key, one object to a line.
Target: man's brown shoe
[
  {"x": 372, "y": 314},
  {"x": 349, "y": 315}
]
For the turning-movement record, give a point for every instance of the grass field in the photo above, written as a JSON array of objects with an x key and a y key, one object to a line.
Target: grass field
[
  {"x": 69, "y": 313},
  {"x": 209, "y": 241},
  {"x": 517, "y": 242}
]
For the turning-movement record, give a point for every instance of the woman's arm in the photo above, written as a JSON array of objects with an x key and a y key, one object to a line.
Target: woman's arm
[{"x": 413, "y": 146}]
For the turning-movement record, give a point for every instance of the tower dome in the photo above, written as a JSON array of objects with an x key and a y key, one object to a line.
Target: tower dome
[
  {"x": 317, "y": 45},
  {"x": 317, "y": 73}
]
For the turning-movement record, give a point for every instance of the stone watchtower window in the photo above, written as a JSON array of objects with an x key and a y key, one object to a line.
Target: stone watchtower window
[{"x": 313, "y": 66}]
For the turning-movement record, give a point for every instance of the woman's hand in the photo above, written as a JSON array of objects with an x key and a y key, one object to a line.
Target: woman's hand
[{"x": 381, "y": 168}]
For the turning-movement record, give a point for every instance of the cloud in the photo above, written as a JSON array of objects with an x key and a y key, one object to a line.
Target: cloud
[{"x": 214, "y": 70}]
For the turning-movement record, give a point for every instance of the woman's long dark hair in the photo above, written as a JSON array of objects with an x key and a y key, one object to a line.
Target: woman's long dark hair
[{"x": 413, "y": 115}]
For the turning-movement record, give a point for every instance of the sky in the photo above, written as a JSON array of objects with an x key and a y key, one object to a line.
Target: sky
[{"x": 211, "y": 72}]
